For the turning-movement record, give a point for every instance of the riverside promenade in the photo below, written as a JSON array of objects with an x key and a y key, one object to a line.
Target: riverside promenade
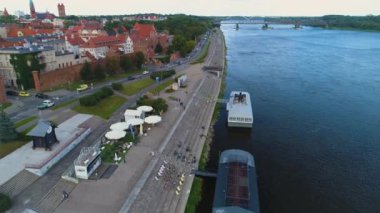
[
  {"x": 183, "y": 143},
  {"x": 181, "y": 133}
]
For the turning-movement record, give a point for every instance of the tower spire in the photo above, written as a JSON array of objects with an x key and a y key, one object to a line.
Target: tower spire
[{"x": 32, "y": 10}]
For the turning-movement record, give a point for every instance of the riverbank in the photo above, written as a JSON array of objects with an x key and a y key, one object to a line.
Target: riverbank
[{"x": 198, "y": 184}]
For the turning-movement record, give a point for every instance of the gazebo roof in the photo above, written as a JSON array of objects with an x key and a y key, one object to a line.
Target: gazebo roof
[{"x": 41, "y": 129}]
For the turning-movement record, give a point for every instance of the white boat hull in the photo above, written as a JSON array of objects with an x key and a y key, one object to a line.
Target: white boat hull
[{"x": 243, "y": 125}]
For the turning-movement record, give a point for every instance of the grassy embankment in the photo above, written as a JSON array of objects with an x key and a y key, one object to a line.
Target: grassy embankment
[
  {"x": 194, "y": 197},
  {"x": 25, "y": 121},
  {"x": 161, "y": 87},
  {"x": 135, "y": 87},
  {"x": 196, "y": 189},
  {"x": 6, "y": 105},
  {"x": 63, "y": 104},
  {"x": 203, "y": 54},
  {"x": 105, "y": 108}
]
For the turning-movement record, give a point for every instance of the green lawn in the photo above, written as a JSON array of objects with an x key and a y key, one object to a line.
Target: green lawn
[
  {"x": 6, "y": 148},
  {"x": 6, "y": 105},
  {"x": 9, "y": 147},
  {"x": 72, "y": 86},
  {"x": 104, "y": 108},
  {"x": 64, "y": 104},
  {"x": 161, "y": 87},
  {"x": 123, "y": 75},
  {"x": 25, "y": 121},
  {"x": 195, "y": 196},
  {"x": 135, "y": 87}
]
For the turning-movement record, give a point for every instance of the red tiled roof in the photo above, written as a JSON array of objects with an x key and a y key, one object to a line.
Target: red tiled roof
[
  {"x": 44, "y": 31},
  {"x": 76, "y": 29},
  {"x": 102, "y": 41},
  {"x": 13, "y": 32},
  {"x": 5, "y": 43},
  {"x": 74, "y": 39},
  {"x": 91, "y": 57},
  {"x": 144, "y": 30}
]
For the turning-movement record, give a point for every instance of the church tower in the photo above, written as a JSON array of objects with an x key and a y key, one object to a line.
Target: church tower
[
  {"x": 61, "y": 10},
  {"x": 5, "y": 13},
  {"x": 32, "y": 10}
]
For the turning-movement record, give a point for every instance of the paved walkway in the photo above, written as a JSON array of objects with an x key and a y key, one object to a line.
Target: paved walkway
[{"x": 86, "y": 196}]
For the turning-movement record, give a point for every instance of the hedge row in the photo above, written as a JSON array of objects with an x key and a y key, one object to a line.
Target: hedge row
[
  {"x": 162, "y": 74},
  {"x": 95, "y": 98},
  {"x": 159, "y": 105}
]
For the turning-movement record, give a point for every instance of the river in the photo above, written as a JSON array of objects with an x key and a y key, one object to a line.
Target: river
[{"x": 316, "y": 101}]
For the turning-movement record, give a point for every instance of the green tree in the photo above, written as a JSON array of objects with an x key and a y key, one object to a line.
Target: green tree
[
  {"x": 112, "y": 65},
  {"x": 7, "y": 19},
  {"x": 5, "y": 202},
  {"x": 7, "y": 128},
  {"x": 126, "y": 63},
  {"x": 189, "y": 46},
  {"x": 85, "y": 72},
  {"x": 158, "y": 48},
  {"x": 99, "y": 73},
  {"x": 23, "y": 65},
  {"x": 139, "y": 59},
  {"x": 179, "y": 44}
]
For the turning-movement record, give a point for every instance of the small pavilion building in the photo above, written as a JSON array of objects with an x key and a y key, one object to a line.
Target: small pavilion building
[
  {"x": 43, "y": 135},
  {"x": 133, "y": 113}
]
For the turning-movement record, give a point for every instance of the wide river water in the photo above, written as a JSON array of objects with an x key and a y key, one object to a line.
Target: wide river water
[{"x": 316, "y": 102}]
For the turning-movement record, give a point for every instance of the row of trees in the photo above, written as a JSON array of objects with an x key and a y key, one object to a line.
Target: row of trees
[
  {"x": 369, "y": 22},
  {"x": 112, "y": 65},
  {"x": 186, "y": 30}
]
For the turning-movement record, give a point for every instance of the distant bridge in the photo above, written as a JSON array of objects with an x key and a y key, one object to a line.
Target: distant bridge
[{"x": 245, "y": 20}]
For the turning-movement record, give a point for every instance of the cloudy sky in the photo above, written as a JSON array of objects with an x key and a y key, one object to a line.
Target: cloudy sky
[{"x": 202, "y": 7}]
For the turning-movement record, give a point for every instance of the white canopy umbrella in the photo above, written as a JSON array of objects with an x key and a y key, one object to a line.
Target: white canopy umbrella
[
  {"x": 153, "y": 119},
  {"x": 136, "y": 122},
  {"x": 145, "y": 108},
  {"x": 120, "y": 126},
  {"x": 115, "y": 134}
]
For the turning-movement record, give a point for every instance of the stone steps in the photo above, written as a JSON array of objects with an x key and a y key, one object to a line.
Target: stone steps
[
  {"x": 18, "y": 183},
  {"x": 54, "y": 197}
]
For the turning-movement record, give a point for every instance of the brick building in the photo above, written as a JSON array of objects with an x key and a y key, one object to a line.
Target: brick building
[{"x": 61, "y": 10}]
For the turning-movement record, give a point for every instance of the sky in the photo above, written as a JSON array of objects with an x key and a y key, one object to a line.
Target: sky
[{"x": 202, "y": 7}]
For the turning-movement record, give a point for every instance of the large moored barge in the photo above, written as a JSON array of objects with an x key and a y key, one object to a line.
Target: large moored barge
[
  {"x": 236, "y": 185},
  {"x": 240, "y": 110}
]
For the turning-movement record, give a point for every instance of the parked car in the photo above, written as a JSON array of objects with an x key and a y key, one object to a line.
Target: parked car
[
  {"x": 11, "y": 93},
  {"x": 145, "y": 72},
  {"x": 45, "y": 104},
  {"x": 42, "y": 96},
  {"x": 23, "y": 94},
  {"x": 82, "y": 87}
]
